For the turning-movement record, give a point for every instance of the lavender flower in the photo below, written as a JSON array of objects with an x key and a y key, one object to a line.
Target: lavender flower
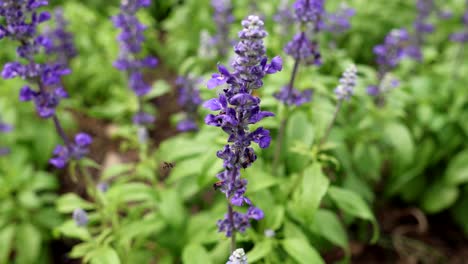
[
  {"x": 462, "y": 36},
  {"x": 310, "y": 11},
  {"x": 284, "y": 18},
  {"x": 238, "y": 257},
  {"x": 129, "y": 61},
  {"x": 223, "y": 19},
  {"x": 103, "y": 186},
  {"x": 392, "y": 51},
  {"x": 207, "y": 45},
  {"x": 293, "y": 96},
  {"x": 189, "y": 100},
  {"x": 238, "y": 109},
  {"x": 339, "y": 21},
  {"x": 345, "y": 89},
  {"x": 76, "y": 150},
  {"x": 389, "y": 54},
  {"x": 60, "y": 40},
  {"x": 4, "y": 128},
  {"x": 303, "y": 48},
  {"x": 80, "y": 217},
  {"x": 421, "y": 28},
  {"x": 21, "y": 19}
]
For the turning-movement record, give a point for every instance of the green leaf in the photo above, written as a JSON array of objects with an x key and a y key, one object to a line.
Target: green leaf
[
  {"x": 328, "y": 225},
  {"x": 275, "y": 217},
  {"x": 71, "y": 230},
  {"x": 353, "y": 204},
  {"x": 28, "y": 243},
  {"x": 160, "y": 87},
  {"x": 70, "y": 201},
  {"x": 171, "y": 208},
  {"x": 298, "y": 132},
  {"x": 130, "y": 192},
  {"x": 195, "y": 254},
  {"x": 439, "y": 197},
  {"x": 314, "y": 187},
  {"x": 6, "y": 238},
  {"x": 301, "y": 251},
  {"x": 401, "y": 140},
  {"x": 259, "y": 178},
  {"x": 457, "y": 170},
  {"x": 260, "y": 250},
  {"x": 104, "y": 255},
  {"x": 116, "y": 170}
]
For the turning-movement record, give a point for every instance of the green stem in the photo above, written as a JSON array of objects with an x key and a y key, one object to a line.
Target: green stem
[
  {"x": 332, "y": 122},
  {"x": 279, "y": 138}
]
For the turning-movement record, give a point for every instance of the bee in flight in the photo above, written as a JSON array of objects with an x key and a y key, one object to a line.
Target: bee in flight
[
  {"x": 218, "y": 185},
  {"x": 168, "y": 165}
]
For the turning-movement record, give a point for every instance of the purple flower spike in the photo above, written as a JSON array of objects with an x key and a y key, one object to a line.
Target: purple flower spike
[
  {"x": 4, "y": 128},
  {"x": 59, "y": 41},
  {"x": 345, "y": 89},
  {"x": 339, "y": 21},
  {"x": 238, "y": 108},
  {"x": 223, "y": 19},
  {"x": 74, "y": 150},
  {"x": 301, "y": 48},
  {"x": 189, "y": 100},
  {"x": 130, "y": 61},
  {"x": 310, "y": 11},
  {"x": 293, "y": 97},
  {"x": 393, "y": 50},
  {"x": 80, "y": 217},
  {"x": 462, "y": 36}
]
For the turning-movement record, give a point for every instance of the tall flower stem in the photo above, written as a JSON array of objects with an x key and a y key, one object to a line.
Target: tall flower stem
[
  {"x": 280, "y": 137},
  {"x": 231, "y": 219},
  {"x": 57, "y": 124},
  {"x": 60, "y": 130}
]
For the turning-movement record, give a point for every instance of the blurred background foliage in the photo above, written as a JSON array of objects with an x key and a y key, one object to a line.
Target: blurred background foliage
[{"x": 413, "y": 152}]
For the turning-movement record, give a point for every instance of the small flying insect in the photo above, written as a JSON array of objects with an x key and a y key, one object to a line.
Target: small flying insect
[
  {"x": 168, "y": 165},
  {"x": 218, "y": 185}
]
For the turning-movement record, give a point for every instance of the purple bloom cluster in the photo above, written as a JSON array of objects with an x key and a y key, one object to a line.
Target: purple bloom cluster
[
  {"x": 80, "y": 217},
  {"x": 21, "y": 20},
  {"x": 462, "y": 36},
  {"x": 189, "y": 100},
  {"x": 60, "y": 40},
  {"x": 339, "y": 21},
  {"x": 238, "y": 108},
  {"x": 238, "y": 257},
  {"x": 293, "y": 96},
  {"x": 393, "y": 50},
  {"x": 4, "y": 128},
  {"x": 421, "y": 28},
  {"x": 75, "y": 150},
  {"x": 303, "y": 49},
  {"x": 345, "y": 89},
  {"x": 310, "y": 11},
  {"x": 131, "y": 39},
  {"x": 284, "y": 18},
  {"x": 389, "y": 54},
  {"x": 223, "y": 19}
]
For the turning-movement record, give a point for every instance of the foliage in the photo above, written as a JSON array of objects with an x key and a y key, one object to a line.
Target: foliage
[{"x": 160, "y": 204}]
